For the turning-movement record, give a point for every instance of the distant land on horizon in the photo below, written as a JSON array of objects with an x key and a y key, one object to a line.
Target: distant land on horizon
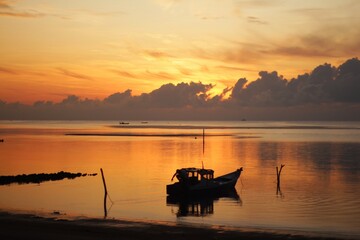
[{"x": 326, "y": 93}]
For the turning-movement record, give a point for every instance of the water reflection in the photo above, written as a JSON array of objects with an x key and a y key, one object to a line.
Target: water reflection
[
  {"x": 200, "y": 206},
  {"x": 321, "y": 178}
]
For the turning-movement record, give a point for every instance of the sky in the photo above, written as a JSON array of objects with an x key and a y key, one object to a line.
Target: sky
[{"x": 82, "y": 50}]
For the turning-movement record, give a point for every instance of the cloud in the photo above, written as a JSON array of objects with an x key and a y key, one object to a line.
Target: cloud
[
  {"x": 235, "y": 68},
  {"x": 7, "y": 9},
  {"x": 180, "y": 95},
  {"x": 156, "y": 54},
  {"x": 326, "y": 93},
  {"x": 257, "y": 3},
  {"x": 119, "y": 98},
  {"x": 107, "y": 14},
  {"x": 205, "y": 17},
  {"x": 167, "y": 4},
  {"x": 124, "y": 73},
  {"x": 323, "y": 85},
  {"x": 21, "y": 14},
  {"x": 317, "y": 45},
  {"x": 8, "y": 71},
  {"x": 346, "y": 85},
  {"x": 160, "y": 75},
  {"x": 74, "y": 74},
  {"x": 237, "y": 53},
  {"x": 269, "y": 89},
  {"x": 4, "y": 4},
  {"x": 243, "y": 5},
  {"x": 185, "y": 71},
  {"x": 257, "y": 20}
]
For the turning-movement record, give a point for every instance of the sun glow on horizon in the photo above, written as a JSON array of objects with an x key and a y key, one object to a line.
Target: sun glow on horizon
[{"x": 93, "y": 49}]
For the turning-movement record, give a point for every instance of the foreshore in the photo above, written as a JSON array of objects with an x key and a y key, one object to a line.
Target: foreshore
[{"x": 31, "y": 226}]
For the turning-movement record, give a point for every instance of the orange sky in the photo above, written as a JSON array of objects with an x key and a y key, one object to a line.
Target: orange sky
[{"x": 93, "y": 48}]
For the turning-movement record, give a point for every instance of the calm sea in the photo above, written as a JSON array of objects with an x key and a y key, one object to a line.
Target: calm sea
[{"x": 320, "y": 183}]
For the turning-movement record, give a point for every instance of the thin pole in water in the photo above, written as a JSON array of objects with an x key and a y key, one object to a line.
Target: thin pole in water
[
  {"x": 105, "y": 195},
  {"x": 103, "y": 178},
  {"x": 278, "y": 172}
]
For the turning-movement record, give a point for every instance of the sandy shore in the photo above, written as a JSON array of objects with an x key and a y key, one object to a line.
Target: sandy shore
[{"x": 30, "y": 226}]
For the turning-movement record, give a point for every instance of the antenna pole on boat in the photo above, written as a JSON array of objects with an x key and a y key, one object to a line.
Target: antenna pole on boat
[
  {"x": 202, "y": 161},
  {"x": 203, "y": 140}
]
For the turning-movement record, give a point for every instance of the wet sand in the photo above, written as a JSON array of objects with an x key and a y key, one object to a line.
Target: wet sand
[{"x": 30, "y": 226}]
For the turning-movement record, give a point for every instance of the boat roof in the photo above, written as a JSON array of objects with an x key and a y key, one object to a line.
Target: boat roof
[{"x": 198, "y": 170}]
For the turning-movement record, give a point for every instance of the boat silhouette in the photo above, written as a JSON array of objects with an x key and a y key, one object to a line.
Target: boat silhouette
[{"x": 200, "y": 181}]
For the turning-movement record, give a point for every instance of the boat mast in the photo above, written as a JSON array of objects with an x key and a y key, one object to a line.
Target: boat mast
[{"x": 202, "y": 160}]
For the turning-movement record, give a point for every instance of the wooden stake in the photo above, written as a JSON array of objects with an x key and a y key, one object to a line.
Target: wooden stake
[
  {"x": 278, "y": 172},
  {"x": 103, "y": 178},
  {"x": 105, "y": 195}
]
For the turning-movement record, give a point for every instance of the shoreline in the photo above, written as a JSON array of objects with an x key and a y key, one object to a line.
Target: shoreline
[{"x": 30, "y": 225}]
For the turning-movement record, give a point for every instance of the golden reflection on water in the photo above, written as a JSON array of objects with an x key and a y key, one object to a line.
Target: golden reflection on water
[{"x": 319, "y": 182}]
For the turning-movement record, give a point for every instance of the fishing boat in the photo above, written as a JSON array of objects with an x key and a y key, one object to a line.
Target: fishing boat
[{"x": 195, "y": 181}]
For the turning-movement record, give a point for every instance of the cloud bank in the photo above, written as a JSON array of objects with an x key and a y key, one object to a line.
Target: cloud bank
[{"x": 327, "y": 93}]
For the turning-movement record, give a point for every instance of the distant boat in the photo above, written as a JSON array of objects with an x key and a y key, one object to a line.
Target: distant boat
[
  {"x": 193, "y": 181},
  {"x": 144, "y": 122},
  {"x": 124, "y": 123}
]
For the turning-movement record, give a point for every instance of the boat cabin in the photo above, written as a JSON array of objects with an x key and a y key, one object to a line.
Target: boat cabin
[{"x": 193, "y": 175}]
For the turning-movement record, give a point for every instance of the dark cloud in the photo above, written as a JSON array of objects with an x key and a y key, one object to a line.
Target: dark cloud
[
  {"x": 180, "y": 95},
  {"x": 119, "y": 98},
  {"x": 324, "y": 84},
  {"x": 346, "y": 85},
  {"x": 269, "y": 89},
  {"x": 326, "y": 93}
]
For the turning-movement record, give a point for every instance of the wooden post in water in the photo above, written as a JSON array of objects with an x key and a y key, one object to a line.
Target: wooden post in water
[
  {"x": 105, "y": 195},
  {"x": 278, "y": 172},
  {"x": 103, "y": 178}
]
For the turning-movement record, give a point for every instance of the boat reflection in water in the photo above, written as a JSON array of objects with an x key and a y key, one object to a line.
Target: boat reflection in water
[{"x": 199, "y": 206}]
